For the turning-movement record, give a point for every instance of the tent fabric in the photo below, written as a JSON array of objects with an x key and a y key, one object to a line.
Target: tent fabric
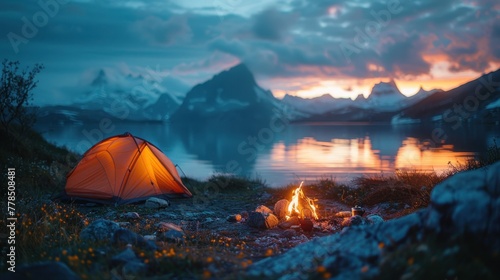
[{"x": 124, "y": 169}]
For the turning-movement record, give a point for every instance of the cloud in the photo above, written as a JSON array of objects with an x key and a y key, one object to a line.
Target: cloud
[
  {"x": 404, "y": 57},
  {"x": 163, "y": 32},
  {"x": 272, "y": 24},
  {"x": 495, "y": 40},
  {"x": 277, "y": 39}
]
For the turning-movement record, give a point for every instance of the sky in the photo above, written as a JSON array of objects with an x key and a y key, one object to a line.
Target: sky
[{"x": 299, "y": 47}]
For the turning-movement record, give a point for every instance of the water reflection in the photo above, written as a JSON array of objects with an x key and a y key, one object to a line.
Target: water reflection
[{"x": 300, "y": 152}]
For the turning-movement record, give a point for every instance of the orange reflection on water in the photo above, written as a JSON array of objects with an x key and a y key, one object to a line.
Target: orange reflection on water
[
  {"x": 413, "y": 156},
  {"x": 349, "y": 158}
]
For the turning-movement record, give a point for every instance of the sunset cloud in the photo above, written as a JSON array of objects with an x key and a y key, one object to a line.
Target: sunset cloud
[{"x": 286, "y": 40}]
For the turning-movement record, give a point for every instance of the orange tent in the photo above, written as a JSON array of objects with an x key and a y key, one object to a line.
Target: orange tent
[{"x": 124, "y": 169}]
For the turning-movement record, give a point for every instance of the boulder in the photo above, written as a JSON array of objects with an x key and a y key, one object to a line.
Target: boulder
[
  {"x": 262, "y": 220},
  {"x": 469, "y": 204},
  {"x": 134, "y": 270},
  {"x": 281, "y": 208},
  {"x": 124, "y": 257},
  {"x": 374, "y": 219},
  {"x": 156, "y": 203},
  {"x": 130, "y": 216},
  {"x": 99, "y": 230},
  {"x": 123, "y": 237},
  {"x": 353, "y": 221},
  {"x": 173, "y": 236}
]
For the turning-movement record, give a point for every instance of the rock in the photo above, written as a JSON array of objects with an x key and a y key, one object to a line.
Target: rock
[
  {"x": 172, "y": 236},
  {"x": 42, "y": 270},
  {"x": 395, "y": 232},
  {"x": 374, "y": 219},
  {"x": 468, "y": 203},
  {"x": 124, "y": 236},
  {"x": 281, "y": 208},
  {"x": 234, "y": 218},
  {"x": 99, "y": 230},
  {"x": 162, "y": 226},
  {"x": 170, "y": 232},
  {"x": 306, "y": 225},
  {"x": 263, "y": 209},
  {"x": 134, "y": 270},
  {"x": 353, "y": 221},
  {"x": 292, "y": 221},
  {"x": 262, "y": 220},
  {"x": 244, "y": 215},
  {"x": 124, "y": 257},
  {"x": 130, "y": 216},
  {"x": 289, "y": 233},
  {"x": 123, "y": 224},
  {"x": 156, "y": 203},
  {"x": 131, "y": 265},
  {"x": 150, "y": 237}
]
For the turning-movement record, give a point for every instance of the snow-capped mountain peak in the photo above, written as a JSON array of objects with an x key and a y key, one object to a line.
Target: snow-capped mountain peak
[
  {"x": 141, "y": 98},
  {"x": 385, "y": 96}
]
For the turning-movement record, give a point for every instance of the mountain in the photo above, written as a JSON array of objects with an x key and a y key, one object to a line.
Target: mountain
[
  {"x": 126, "y": 97},
  {"x": 385, "y": 97},
  {"x": 232, "y": 96},
  {"x": 476, "y": 100},
  {"x": 317, "y": 105}
]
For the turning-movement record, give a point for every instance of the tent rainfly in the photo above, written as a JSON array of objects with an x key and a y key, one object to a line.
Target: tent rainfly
[{"x": 124, "y": 169}]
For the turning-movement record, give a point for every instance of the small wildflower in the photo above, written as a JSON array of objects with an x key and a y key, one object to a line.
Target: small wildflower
[{"x": 269, "y": 252}]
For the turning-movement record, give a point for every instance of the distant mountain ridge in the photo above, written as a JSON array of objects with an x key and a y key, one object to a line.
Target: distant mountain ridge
[
  {"x": 384, "y": 101},
  {"x": 477, "y": 100},
  {"x": 233, "y": 96}
]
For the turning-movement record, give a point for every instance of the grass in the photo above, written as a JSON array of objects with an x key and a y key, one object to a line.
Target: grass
[{"x": 40, "y": 166}]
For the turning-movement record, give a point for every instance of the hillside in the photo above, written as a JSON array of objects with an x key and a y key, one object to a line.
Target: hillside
[{"x": 472, "y": 101}]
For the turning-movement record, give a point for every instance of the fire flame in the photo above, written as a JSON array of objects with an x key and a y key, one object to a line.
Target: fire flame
[{"x": 296, "y": 206}]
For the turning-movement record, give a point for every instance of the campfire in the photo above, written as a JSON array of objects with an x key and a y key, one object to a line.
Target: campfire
[
  {"x": 301, "y": 205},
  {"x": 300, "y": 213}
]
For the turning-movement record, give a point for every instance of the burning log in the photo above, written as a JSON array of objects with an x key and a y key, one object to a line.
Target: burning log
[
  {"x": 281, "y": 209},
  {"x": 301, "y": 205}
]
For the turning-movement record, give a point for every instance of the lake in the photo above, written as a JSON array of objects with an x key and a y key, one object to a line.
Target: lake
[{"x": 295, "y": 152}]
